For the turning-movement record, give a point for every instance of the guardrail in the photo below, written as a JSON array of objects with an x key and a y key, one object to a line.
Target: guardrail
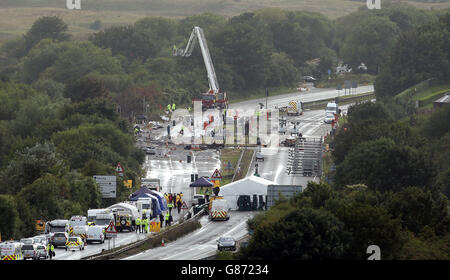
[{"x": 342, "y": 99}]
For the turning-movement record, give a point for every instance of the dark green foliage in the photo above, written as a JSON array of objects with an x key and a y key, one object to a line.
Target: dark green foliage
[
  {"x": 384, "y": 165},
  {"x": 50, "y": 27},
  {"x": 85, "y": 88},
  {"x": 302, "y": 234}
]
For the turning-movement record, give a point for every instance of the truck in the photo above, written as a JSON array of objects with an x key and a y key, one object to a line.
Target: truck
[
  {"x": 295, "y": 108},
  {"x": 215, "y": 97},
  {"x": 219, "y": 210},
  {"x": 103, "y": 217},
  {"x": 152, "y": 184},
  {"x": 54, "y": 226}
]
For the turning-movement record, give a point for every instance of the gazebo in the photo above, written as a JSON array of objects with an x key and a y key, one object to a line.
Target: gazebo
[{"x": 200, "y": 186}]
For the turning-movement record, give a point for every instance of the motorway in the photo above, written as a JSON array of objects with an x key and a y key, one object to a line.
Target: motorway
[{"x": 171, "y": 168}]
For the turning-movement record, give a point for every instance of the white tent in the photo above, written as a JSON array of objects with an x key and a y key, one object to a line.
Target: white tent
[{"x": 248, "y": 186}]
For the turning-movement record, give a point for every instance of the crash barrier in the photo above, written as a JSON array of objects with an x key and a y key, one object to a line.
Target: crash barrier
[
  {"x": 319, "y": 104},
  {"x": 155, "y": 240}
]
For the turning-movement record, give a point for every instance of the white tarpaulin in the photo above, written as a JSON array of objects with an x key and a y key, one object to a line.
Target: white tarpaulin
[{"x": 248, "y": 186}]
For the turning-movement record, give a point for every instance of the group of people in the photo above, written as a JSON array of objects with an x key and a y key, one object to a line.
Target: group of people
[{"x": 174, "y": 201}]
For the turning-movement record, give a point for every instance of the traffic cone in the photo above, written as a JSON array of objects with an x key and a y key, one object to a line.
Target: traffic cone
[{"x": 162, "y": 243}]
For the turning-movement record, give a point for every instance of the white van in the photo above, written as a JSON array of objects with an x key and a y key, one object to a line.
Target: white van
[
  {"x": 11, "y": 251},
  {"x": 332, "y": 107},
  {"x": 95, "y": 234}
]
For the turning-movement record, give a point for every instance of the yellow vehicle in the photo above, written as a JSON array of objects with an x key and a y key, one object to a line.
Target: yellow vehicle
[
  {"x": 212, "y": 198},
  {"x": 10, "y": 251},
  {"x": 74, "y": 242}
]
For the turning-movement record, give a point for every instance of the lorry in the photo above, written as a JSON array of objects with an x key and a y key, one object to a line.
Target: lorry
[
  {"x": 152, "y": 184},
  {"x": 219, "y": 210},
  {"x": 295, "y": 108},
  {"x": 54, "y": 226}
]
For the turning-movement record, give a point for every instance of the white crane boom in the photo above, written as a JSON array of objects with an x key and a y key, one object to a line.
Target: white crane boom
[{"x": 197, "y": 33}]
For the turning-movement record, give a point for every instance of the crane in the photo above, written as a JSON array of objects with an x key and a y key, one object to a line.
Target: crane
[{"x": 214, "y": 97}]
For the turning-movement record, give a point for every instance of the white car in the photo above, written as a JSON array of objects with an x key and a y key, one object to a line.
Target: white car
[
  {"x": 259, "y": 157},
  {"x": 41, "y": 251},
  {"x": 329, "y": 117}
]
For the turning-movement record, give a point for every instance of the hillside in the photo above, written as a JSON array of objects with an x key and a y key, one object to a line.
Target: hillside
[{"x": 17, "y": 15}]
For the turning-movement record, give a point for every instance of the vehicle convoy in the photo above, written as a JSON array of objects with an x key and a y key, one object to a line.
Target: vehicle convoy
[
  {"x": 10, "y": 251},
  {"x": 219, "y": 210},
  {"x": 214, "y": 98},
  {"x": 295, "y": 108}
]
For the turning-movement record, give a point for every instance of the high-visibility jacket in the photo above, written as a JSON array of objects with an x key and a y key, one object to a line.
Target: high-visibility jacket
[
  {"x": 168, "y": 106},
  {"x": 166, "y": 217},
  {"x": 173, "y": 106},
  {"x": 138, "y": 222}
]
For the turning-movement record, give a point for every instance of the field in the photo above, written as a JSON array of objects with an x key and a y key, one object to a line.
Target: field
[{"x": 16, "y": 16}]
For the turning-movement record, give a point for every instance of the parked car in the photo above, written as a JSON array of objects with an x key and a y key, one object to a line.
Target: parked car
[
  {"x": 29, "y": 251},
  {"x": 226, "y": 243},
  {"x": 41, "y": 251},
  {"x": 309, "y": 79},
  {"x": 259, "y": 157},
  {"x": 74, "y": 242},
  {"x": 60, "y": 239}
]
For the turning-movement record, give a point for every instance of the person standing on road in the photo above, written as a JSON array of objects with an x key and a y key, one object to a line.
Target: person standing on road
[
  {"x": 170, "y": 219},
  {"x": 166, "y": 218},
  {"x": 179, "y": 204},
  {"x": 138, "y": 225},
  {"x": 161, "y": 219}
]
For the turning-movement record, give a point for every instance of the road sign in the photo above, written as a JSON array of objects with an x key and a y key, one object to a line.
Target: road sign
[
  {"x": 184, "y": 206},
  {"x": 216, "y": 175},
  {"x": 119, "y": 169},
  {"x": 128, "y": 183},
  {"x": 111, "y": 230},
  {"x": 107, "y": 185}
]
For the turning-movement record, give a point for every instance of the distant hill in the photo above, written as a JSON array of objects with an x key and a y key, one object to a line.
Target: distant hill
[{"x": 16, "y": 16}]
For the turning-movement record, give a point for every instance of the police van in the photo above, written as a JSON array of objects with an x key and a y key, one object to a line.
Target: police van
[{"x": 11, "y": 251}]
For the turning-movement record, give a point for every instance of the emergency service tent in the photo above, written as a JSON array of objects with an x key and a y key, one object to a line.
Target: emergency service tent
[
  {"x": 161, "y": 199},
  {"x": 156, "y": 208},
  {"x": 142, "y": 192},
  {"x": 248, "y": 186},
  {"x": 125, "y": 207}
]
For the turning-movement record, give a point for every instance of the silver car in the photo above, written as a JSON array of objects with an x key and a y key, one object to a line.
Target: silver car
[
  {"x": 226, "y": 243},
  {"x": 41, "y": 251},
  {"x": 29, "y": 251}
]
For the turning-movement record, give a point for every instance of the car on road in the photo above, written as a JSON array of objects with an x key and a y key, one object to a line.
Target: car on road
[
  {"x": 289, "y": 142},
  {"x": 42, "y": 239},
  {"x": 150, "y": 150},
  {"x": 309, "y": 79},
  {"x": 41, "y": 251},
  {"x": 329, "y": 117},
  {"x": 29, "y": 251},
  {"x": 27, "y": 241},
  {"x": 226, "y": 243},
  {"x": 74, "y": 242},
  {"x": 60, "y": 239},
  {"x": 259, "y": 157}
]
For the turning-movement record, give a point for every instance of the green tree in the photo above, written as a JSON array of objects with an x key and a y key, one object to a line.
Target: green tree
[
  {"x": 85, "y": 88},
  {"x": 9, "y": 217},
  {"x": 303, "y": 234},
  {"x": 383, "y": 165},
  {"x": 51, "y": 27},
  {"x": 370, "y": 43}
]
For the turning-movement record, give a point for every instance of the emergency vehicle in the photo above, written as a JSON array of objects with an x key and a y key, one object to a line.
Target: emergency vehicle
[{"x": 10, "y": 251}]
